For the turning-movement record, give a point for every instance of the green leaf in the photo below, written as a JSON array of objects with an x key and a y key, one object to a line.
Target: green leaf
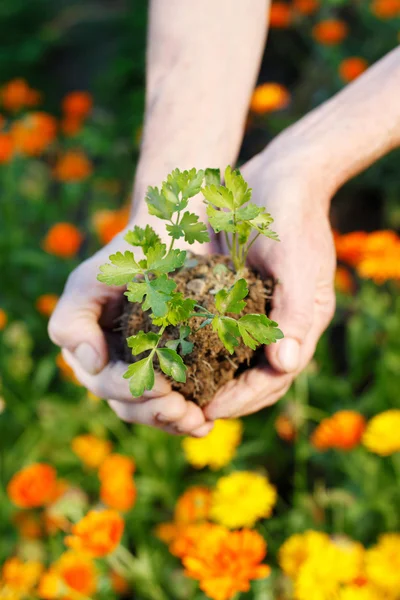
[
  {"x": 219, "y": 196},
  {"x": 190, "y": 229},
  {"x": 237, "y": 186},
  {"x": 158, "y": 293},
  {"x": 243, "y": 230},
  {"x": 145, "y": 238},
  {"x": 187, "y": 182},
  {"x": 261, "y": 223},
  {"x": 186, "y": 346},
  {"x": 158, "y": 205},
  {"x": 179, "y": 310},
  {"x": 136, "y": 291},
  {"x": 258, "y": 329},
  {"x": 228, "y": 332},
  {"x": 158, "y": 262},
  {"x": 122, "y": 269},
  {"x": 220, "y": 220},
  {"x": 246, "y": 213},
  {"x": 141, "y": 375},
  {"x": 231, "y": 301},
  {"x": 142, "y": 341},
  {"x": 213, "y": 177},
  {"x": 172, "y": 364}
]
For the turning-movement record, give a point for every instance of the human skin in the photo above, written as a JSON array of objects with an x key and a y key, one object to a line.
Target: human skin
[{"x": 294, "y": 177}]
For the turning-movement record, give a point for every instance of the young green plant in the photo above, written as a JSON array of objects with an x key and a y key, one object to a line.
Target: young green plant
[{"x": 149, "y": 281}]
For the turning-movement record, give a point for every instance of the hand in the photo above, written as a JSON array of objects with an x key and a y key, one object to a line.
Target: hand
[
  {"x": 76, "y": 326},
  {"x": 303, "y": 262}
]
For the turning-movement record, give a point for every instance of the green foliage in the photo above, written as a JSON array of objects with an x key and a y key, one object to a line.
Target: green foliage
[
  {"x": 190, "y": 229},
  {"x": 145, "y": 238},
  {"x": 186, "y": 346},
  {"x": 142, "y": 341},
  {"x": 172, "y": 364},
  {"x": 141, "y": 376},
  {"x": 231, "y": 301}
]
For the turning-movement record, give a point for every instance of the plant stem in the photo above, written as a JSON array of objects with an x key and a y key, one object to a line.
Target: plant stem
[
  {"x": 301, "y": 446},
  {"x": 250, "y": 245}
]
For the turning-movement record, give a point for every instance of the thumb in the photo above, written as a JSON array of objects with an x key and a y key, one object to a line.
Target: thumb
[
  {"x": 74, "y": 323},
  {"x": 293, "y": 310}
]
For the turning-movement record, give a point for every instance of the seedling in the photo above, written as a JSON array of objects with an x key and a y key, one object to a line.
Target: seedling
[{"x": 149, "y": 279}]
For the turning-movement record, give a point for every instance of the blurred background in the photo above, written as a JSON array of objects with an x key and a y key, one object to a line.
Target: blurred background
[{"x": 317, "y": 475}]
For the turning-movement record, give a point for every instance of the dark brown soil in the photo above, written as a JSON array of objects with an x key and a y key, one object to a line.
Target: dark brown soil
[{"x": 209, "y": 365}]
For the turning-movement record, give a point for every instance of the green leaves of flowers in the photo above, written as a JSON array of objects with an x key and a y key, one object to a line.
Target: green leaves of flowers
[
  {"x": 172, "y": 364},
  {"x": 231, "y": 301},
  {"x": 141, "y": 376},
  {"x": 186, "y": 346},
  {"x": 145, "y": 238},
  {"x": 179, "y": 310},
  {"x": 157, "y": 292},
  {"x": 175, "y": 193},
  {"x": 190, "y": 228},
  {"x": 142, "y": 341},
  {"x": 258, "y": 329},
  {"x": 122, "y": 269},
  {"x": 228, "y": 332}
]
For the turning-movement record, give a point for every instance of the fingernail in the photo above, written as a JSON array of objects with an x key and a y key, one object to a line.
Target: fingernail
[
  {"x": 88, "y": 358},
  {"x": 203, "y": 430},
  {"x": 289, "y": 354}
]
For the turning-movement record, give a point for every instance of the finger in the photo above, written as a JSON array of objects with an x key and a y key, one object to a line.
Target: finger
[
  {"x": 109, "y": 383},
  {"x": 193, "y": 422}
]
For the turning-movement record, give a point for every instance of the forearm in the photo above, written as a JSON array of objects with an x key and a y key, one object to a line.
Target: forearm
[
  {"x": 352, "y": 130},
  {"x": 203, "y": 59}
]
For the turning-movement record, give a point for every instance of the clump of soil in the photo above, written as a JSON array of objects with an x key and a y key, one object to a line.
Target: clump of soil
[{"x": 209, "y": 365}]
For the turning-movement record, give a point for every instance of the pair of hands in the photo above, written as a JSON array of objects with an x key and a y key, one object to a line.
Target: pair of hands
[{"x": 303, "y": 305}]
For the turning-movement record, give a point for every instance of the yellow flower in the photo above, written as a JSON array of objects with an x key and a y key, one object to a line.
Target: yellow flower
[
  {"x": 349, "y": 558},
  {"x": 91, "y": 450},
  {"x": 382, "y": 433},
  {"x": 298, "y": 548},
  {"x": 365, "y": 592},
  {"x": 382, "y": 563},
  {"x": 318, "y": 577},
  {"x": 240, "y": 499},
  {"x": 217, "y": 448},
  {"x": 21, "y": 576}
]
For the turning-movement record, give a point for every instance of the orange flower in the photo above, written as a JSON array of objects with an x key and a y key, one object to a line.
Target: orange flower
[
  {"x": 381, "y": 257},
  {"x": 224, "y": 562},
  {"x": 73, "y": 166},
  {"x": 108, "y": 223},
  {"x": 66, "y": 371},
  {"x": 330, "y": 32},
  {"x": 17, "y": 94},
  {"x": 306, "y": 7},
  {"x": 46, "y": 303},
  {"x": 285, "y": 428},
  {"x": 280, "y": 15},
  {"x": 116, "y": 464},
  {"x": 118, "y": 492},
  {"x": 343, "y": 431},
  {"x": 21, "y": 576},
  {"x": 77, "y": 104},
  {"x": 91, "y": 450},
  {"x": 269, "y": 97},
  {"x": 352, "y": 67},
  {"x": 34, "y": 133},
  {"x": 6, "y": 147},
  {"x": 343, "y": 281},
  {"x": 98, "y": 533},
  {"x": 33, "y": 486},
  {"x": 28, "y": 525},
  {"x": 386, "y": 9},
  {"x": 63, "y": 239},
  {"x": 73, "y": 573},
  {"x": 351, "y": 246},
  {"x": 70, "y": 126},
  {"x": 3, "y": 319},
  {"x": 119, "y": 584},
  {"x": 193, "y": 506}
]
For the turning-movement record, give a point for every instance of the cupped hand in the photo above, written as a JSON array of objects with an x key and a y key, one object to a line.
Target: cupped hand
[
  {"x": 303, "y": 263},
  {"x": 86, "y": 306}
]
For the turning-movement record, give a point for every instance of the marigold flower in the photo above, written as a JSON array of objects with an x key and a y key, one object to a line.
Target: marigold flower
[
  {"x": 285, "y": 428},
  {"x": 343, "y": 431},
  {"x": 193, "y": 505},
  {"x": 3, "y": 319},
  {"x": 33, "y": 133},
  {"x": 298, "y": 548},
  {"x": 50, "y": 586},
  {"x": 344, "y": 282},
  {"x": 63, "y": 239},
  {"x": 330, "y": 32},
  {"x": 21, "y": 576},
  {"x": 17, "y": 94},
  {"x": 6, "y": 147},
  {"x": 382, "y": 433},
  {"x": 116, "y": 464},
  {"x": 366, "y": 592},
  {"x": 224, "y": 562},
  {"x": 382, "y": 563},
  {"x": 280, "y": 15},
  {"x": 78, "y": 572},
  {"x": 66, "y": 371},
  {"x": 351, "y": 246},
  {"x": 118, "y": 492},
  {"x": 28, "y": 525},
  {"x": 70, "y": 126},
  {"x": 217, "y": 448},
  {"x": 269, "y": 97},
  {"x": 107, "y": 223},
  {"x": 241, "y": 499},
  {"x": 77, "y": 104},
  {"x": 98, "y": 533},
  {"x": 352, "y": 67},
  {"x": 386, "y": 9},
  {"x": 46, "y": 303},
  {"x": 381, "y": 258},
  {"x": 306, "y": 7},
  {"x": 33, "y": 486},
  {"x": 91, "y": 450},
  {"x": 72, "y": 167}
]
